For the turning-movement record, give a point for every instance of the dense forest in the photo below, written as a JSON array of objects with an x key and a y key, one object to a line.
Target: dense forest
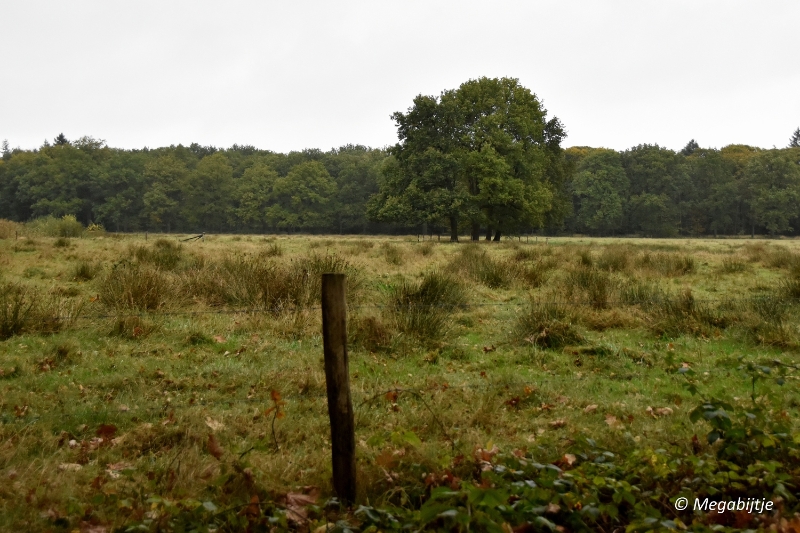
[{"x": 646, "y": 190}]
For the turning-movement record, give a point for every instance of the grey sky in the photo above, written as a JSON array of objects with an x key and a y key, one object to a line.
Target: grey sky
[{"x": 292, "y": 75}]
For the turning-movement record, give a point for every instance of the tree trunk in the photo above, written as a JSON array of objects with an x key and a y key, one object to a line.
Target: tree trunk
[
  {"x": 497, "y": 236},
  {"x": 453, "y": 229},
  {"x": 476, "y": 231},
  {"x": 489, "y": 234}
]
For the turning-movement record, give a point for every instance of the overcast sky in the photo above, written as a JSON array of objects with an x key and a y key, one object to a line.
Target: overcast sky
[{"x": 320, "y": 74}]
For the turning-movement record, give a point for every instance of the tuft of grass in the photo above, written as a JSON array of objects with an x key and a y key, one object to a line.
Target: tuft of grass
[
  {"x": 733, "y": 265},
  {"x": 273, "y": 250},
  {"x": 780, "y": 257},
  {"x": 132, "y": 326},
  {"x": 61, "y": 242},
  {"x": 667, "y": 263},
  {"x": 683, "y": 314},
  {"x": 26, "y": 309},
  {"x": 548, "y": 325},
  {"x": 638, "y": 292},
  {"x": 163, "y": 254},
  {"x": 614, "y": 258},
  {"x": 392, "y": 254},
  {"x": 370, "y": 333},
  {"x": 480, "y": 266},
  {"x": 86, "y": 270},
  {"x": 425, "y": 249},
  {"x": 423, "y": 308},
  {"x": 17, "y": 306},
  {"x": 593, "y": 284},
  {"x": 135, "y": 286}
]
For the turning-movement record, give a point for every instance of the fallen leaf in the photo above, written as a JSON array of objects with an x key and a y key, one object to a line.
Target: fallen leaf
[
  {"x": 296, "y": 504},
  {"x": 558, "y": 423},
  {"x": 590, "y": 408},
  {"x": 214, "y": 425},
  {"x": 513, "y": 402},
  {"x": 487, "y": 349},
  {"x": 106, "y": 431},
  {"x": 569, "y": 459},
  {"x": 219, "y": 338},
  {"x": 392, "y": 396},
  {"x": 124, "y": 408},
  {"x": 214, "y": 448},
  {"x": 552, "y": 508},
  {"x": 613, "y": 421},
  {"x": 387, "y": 459},
  {"x": 484, "y": 455},
  {"x": 663, "y": 411},
  {"x": 69, "y": 467}
]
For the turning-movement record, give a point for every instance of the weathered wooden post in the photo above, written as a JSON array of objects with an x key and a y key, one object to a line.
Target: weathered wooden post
[{"x": 337, "y": 379}]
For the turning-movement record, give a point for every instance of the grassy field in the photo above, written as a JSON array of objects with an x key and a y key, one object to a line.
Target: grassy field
[{"x": 166, "y": 385}]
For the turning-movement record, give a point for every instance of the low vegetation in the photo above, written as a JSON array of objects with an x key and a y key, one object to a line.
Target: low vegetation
[{"x": 575, "y": 385}]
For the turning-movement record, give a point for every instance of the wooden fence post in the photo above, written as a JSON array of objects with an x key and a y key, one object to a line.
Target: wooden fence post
[{"x": 337, "y": 379}]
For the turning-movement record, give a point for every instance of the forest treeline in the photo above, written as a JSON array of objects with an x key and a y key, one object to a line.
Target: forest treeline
[{"x": 646, "y": 190}]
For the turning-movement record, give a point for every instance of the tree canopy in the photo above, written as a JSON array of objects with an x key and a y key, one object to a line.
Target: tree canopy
[{"x": 483, "y": 155}]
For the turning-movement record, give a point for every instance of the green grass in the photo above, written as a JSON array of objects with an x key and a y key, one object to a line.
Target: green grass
[{"x": 163, "y": 350}]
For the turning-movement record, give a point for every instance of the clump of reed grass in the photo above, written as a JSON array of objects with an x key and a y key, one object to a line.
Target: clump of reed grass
[
  {"x": 273, "y": 250},
  {"x": 163, "y": 254},
  {"x": 392, "y": 254},
  {"x": 61, "y": 242},
  {"x": 780, "y": 257},
  {"x": 547, "y": 325},
  {"x": 86, "y": 270},
  {"x": 135, "y": 286},
  {"x": 132, "y": 326},
  {"x": 17, "y": 307},
  {"x": 26, "y": 309},
  {"x": 263, "y": 283},
  {"x": 641, "y": 293},
  {"x": 733, "y": 265},
  {"x": 667, "y": 263},
  {"x": 614, "y": 258},
  {"x": 480, "y": 266},
  {"x": 370, "y": 333},
  {"x": 591, "y": 284},
  {"x": 684, "y": 314},
  {"x": 425, "y": 249},
  {"x": 424, "y": 307}
]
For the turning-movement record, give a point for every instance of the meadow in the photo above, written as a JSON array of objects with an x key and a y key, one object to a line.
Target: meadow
[{"x": 160, "y": 385}]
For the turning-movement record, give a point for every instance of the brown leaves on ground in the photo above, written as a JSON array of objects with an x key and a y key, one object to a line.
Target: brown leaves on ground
[
  {"x": 214, "y": 448},
  {"x": 214, "y": 425},
  {"x": 296, "y": 503},
  {"x": 613, "y": 422},
  {"x": 660, "y": 411},
  {"x": 558, "y": 423},
  {"x": 590, "y": 408}
]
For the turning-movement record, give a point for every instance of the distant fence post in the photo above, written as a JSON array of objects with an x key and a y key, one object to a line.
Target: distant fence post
[{"x": 337, "y": 379}]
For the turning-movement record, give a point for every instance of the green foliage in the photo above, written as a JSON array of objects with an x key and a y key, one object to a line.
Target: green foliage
[
  {"x": 49, "y": 226},
  {"x": 483, "y": 152}
]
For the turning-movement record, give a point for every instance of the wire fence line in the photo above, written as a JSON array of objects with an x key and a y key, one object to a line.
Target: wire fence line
[
  {"x": 411, "y": 305},
  {"x": 516, "y": 392}
]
